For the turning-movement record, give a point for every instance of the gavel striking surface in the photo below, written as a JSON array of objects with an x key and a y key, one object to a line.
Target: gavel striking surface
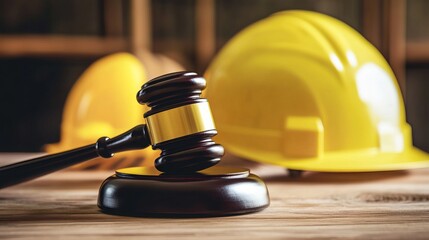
[{"x": 216, "y": 191}]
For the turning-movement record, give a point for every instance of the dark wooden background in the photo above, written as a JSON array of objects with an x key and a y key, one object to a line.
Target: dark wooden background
[{"x": 34, "y": 81}]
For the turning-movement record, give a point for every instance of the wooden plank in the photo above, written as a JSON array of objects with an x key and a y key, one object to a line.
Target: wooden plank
[
  {"x": 58, "y": 46},
  {"x": 205, "y": 32},
  {"x": 141, "y": 30},
  {"x": 396, "y": 10},
  {"x": 417, "y": 51},
  {"x": 386, "y": 205}
]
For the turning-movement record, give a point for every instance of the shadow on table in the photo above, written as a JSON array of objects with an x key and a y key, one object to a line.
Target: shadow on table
[
  {"x": 279, "y": 174},
  {"x": 340, "y": 178}
]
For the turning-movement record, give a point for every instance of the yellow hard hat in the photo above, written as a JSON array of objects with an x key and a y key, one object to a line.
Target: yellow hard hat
[
  {"x": 102, "y": 103},
  {"x": 305, "y": 91}
]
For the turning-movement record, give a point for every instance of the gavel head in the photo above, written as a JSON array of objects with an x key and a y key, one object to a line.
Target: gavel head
[{"x": 180, "y": 123}]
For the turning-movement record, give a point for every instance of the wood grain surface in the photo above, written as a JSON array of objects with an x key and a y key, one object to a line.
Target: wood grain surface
[{"x": 387, "y": 205}]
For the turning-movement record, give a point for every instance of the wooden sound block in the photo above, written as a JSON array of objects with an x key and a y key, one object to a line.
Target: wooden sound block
[{"x": 216, "y": 191}]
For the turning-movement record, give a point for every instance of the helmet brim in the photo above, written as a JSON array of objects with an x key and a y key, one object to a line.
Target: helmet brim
[{"x": 366, "y": 161}]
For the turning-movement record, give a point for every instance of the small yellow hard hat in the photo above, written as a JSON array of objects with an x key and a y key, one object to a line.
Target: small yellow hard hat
[
  {"x": 102, "y": 103},
  {"x": 305, "y": 91}
]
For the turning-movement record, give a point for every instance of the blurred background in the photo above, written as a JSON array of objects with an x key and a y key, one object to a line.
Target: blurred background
[{"x": 45, "y": 45}]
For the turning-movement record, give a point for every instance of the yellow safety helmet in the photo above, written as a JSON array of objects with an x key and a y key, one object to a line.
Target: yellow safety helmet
[
  {"x": 305, "y": 91},
  {"x": 102, "y": 103}
]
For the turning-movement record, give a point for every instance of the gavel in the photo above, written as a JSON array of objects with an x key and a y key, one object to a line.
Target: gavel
[{"x": 180, "y": 124}]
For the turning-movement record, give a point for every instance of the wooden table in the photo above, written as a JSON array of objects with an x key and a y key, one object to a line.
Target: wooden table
[{"x": 388, "y": 205}]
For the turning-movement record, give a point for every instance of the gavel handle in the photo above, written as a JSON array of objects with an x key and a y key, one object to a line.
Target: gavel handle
[{"x": 135, "y": 138}]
